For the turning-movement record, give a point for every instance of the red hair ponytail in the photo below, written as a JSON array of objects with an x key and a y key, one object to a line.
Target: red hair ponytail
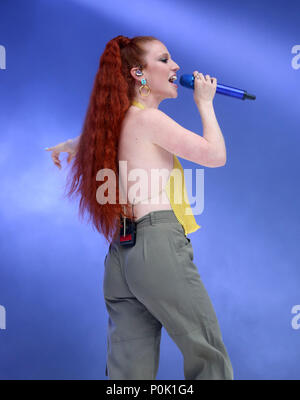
[{"x": 112, "y": 93}]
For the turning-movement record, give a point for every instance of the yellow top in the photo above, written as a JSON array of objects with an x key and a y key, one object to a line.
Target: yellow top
[{"x": 181, "y": 208}]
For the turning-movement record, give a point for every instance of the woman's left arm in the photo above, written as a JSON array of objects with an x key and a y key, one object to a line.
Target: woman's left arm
[{"x": 70, "y": 146}]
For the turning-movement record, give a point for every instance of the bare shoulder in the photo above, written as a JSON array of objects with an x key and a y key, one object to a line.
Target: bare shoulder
[
  {"x": 149, "y": 113},
  {"x": 139, "y": 120},
  {"x": 151, "y": 119}
]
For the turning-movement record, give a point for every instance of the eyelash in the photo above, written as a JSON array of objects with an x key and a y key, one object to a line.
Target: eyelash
[{"x": 164, "y": 60}]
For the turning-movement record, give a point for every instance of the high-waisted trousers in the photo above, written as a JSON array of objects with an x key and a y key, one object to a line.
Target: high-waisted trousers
[{"x": 153, "y": 284}]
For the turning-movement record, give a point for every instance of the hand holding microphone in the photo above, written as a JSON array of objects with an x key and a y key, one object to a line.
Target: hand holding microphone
[
  {"x": 206, "y": 84},
  {"x": 204, "y": 88}
]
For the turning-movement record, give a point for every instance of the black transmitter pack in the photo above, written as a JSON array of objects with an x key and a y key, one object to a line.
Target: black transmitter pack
[{"x": 127, "y": 231}]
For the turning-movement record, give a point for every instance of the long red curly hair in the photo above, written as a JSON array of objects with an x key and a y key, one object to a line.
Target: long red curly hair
[{"x": 112, "y": 94}]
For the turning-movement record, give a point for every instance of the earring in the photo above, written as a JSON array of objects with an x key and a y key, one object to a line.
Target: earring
[
  {"x": 139, "y": 73},
  {"x": 144, "y": 86}
]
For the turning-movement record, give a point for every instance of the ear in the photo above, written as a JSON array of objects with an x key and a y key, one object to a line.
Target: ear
[{"x": 133, "y": 73}]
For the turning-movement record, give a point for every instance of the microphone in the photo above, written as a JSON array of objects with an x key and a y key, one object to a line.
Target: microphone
[{"x": 187, "y": 80}]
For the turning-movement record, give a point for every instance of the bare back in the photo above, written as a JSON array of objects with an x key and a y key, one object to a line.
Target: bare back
[{"x": 142, "y": 154}]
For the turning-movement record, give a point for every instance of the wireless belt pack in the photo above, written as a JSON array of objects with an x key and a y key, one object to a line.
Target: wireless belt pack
[{"x": 127, "y": 232}]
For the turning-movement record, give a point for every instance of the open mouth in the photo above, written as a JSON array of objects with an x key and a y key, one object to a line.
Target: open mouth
[{"x": 172, "y": 79}]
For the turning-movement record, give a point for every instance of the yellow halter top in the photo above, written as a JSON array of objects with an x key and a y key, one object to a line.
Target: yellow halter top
[{"x": 181, "y": 208}]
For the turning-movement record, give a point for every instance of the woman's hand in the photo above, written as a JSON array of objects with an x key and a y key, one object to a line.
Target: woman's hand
[
  {"x": 204, "y": 88},
  {"x": 70, "y": 146}
]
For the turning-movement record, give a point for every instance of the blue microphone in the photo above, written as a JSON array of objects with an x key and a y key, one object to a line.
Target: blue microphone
[{"x": 187, "y": 80}]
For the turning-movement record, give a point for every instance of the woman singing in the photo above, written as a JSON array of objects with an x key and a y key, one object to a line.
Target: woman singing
[{"x": 154, "y": 282}]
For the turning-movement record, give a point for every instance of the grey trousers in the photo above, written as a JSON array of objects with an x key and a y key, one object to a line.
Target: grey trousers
[{"x": 153, "y": 284}]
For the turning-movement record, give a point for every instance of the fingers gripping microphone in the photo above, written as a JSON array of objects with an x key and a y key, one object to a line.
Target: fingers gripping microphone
[{"x": 188, "y": 81}]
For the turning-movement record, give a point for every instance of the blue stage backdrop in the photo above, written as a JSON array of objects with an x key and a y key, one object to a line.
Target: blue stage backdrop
[{"x": 52, "y": 311}]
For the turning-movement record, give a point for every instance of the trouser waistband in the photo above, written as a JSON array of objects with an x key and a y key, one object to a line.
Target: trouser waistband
[{"x": 157, "y": 217}]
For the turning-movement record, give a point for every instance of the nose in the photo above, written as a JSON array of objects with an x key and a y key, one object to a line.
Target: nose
[{"x": 176, "y": 67}]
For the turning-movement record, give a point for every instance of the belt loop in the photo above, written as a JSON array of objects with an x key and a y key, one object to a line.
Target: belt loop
[{"x": 152, "y": 219}]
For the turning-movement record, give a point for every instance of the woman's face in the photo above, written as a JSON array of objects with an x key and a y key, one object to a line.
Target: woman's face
[{"x": 160, "y": 67}]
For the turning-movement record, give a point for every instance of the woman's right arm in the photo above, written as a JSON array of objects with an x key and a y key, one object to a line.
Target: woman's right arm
[
  {"x": 208, "y": 150},
  {"x": 70, "y": 146}
]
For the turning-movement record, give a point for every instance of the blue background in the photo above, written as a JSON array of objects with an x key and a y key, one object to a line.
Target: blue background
[{"x": 247, "y": 251}]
